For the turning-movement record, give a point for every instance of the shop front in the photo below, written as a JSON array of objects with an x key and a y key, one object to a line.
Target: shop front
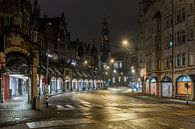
[
  {"x": 153, "y": 86},
  {"x": 86, "y": 84},
  {"x": 90, "y": 84},
  {"x": 74, "y": 85},
  {"x": 59, "y": 85},
  {"x": 52, "y": 86},
  {"x": 80, "y": 85},
  {"x": 147, "y": 87},
  {"x": 166, "y": 87},
  {"x": 68, "y": 84},
  {"x": 181, "y": 89},
  {"x": 16, "y": 76}
]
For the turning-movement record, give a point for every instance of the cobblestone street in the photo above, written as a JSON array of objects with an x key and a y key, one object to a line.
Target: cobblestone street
[{"x": 19, "y": 111}]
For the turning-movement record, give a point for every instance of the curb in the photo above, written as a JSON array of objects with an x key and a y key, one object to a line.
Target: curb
[{"x": 164, "y": 100}]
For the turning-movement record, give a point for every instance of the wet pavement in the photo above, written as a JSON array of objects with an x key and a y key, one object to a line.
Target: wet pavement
[{"x": 115, "y": 108}]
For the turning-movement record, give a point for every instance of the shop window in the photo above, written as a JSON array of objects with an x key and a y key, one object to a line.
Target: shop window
[{"x": 181, "y": 82}]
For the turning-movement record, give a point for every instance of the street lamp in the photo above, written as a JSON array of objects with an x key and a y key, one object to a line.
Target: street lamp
[
  {"x": 125, "y": 42},
  {"x": 111, "y": 62},
  {"x": 48, "y": 55},
  {"x": 85, "y": 62}
]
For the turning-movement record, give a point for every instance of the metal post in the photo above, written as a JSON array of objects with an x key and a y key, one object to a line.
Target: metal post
[
  {"x": 133, "y": 84},
  {"x": 173, "y": 52},
  {"x": 187, "y": 87},
  {"x": 46, "y": 89},
  {"x": 1, "y": 87},
  {"x": 187, "y": 97}
]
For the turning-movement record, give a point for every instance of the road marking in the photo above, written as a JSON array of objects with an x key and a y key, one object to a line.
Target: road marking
[
  {"x": 61, "y": 108},
  {"x": 69, "y": 106},
  {"x": 163, "y": 124},
  {"x": 57, "y": 123},
  {"x": 180, "y": 114}
]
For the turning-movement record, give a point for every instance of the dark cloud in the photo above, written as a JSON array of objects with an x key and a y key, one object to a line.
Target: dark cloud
[{"x": 84, "y": 17}]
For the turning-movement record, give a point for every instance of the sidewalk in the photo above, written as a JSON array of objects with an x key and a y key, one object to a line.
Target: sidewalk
[
  {"x": 161, "y": 99},
  {"x": 139, "y": 95},
  {"x": 18, "y": 110}
]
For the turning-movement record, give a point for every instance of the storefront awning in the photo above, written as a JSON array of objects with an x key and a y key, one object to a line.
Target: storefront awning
[
  {"x": 51, "y": 70},
  {"x": 85, "y": 75},
  {"x": 57, "y": 71}
]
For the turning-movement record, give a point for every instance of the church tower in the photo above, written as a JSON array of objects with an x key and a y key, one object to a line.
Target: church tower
[{"x": 105, "y": 42}]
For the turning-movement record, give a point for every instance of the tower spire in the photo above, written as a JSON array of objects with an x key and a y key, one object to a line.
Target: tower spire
[{"x": 105, "y": 41}]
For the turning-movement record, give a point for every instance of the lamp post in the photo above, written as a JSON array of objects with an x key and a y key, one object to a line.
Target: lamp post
[
  {"x": 111, "y": 61},
  {"x": 133, "y": 72},
  {"x": 47, "y": 79},
  {"x": 129, "y": 53}
]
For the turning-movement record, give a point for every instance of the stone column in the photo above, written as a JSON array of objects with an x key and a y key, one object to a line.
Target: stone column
[{"x": 34, "y": 94}]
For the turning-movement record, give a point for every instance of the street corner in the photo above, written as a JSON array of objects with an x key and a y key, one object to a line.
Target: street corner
[
  {"x": 16, "y": 126},
  {"x": 13, "y": 117}
]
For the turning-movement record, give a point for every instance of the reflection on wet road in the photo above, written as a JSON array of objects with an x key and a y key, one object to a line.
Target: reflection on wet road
[{"x": 111, "y": 109}]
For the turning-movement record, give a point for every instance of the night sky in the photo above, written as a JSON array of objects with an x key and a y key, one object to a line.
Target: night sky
[{"x": 84, "y": 18}]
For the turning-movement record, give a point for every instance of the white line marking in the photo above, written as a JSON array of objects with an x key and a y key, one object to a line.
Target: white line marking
[{"x": 57, "y": 123}]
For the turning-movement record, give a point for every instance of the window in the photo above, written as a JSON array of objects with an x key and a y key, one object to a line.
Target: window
[
  {"x": 159, "y": 45},
  {"x": 183, "y": 59},
  {"x": 191, "y": 59},
  {"x": 178, "y": 60},
  {"x": 167, "y": 62},
  {"x": 191, "y": 9},
  {"x": 159, "y": 64},
  {"x": 183, "y": 36},
  {"x": 171, "y": 61},
  {"x": 34, "y": 37},
  {"x": 177, "y": 38},
  {"x": 158, "y": 26},
  {"x": 183, "y": 13},
  {"x": 178, "y": 16},
  {"x": 191, "y": 33}
]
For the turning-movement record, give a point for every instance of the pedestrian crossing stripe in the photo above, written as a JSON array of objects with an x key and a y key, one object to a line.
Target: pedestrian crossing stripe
[
  {"x": 67, "y": 107},
  {"x": 57, "y": 123}
]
